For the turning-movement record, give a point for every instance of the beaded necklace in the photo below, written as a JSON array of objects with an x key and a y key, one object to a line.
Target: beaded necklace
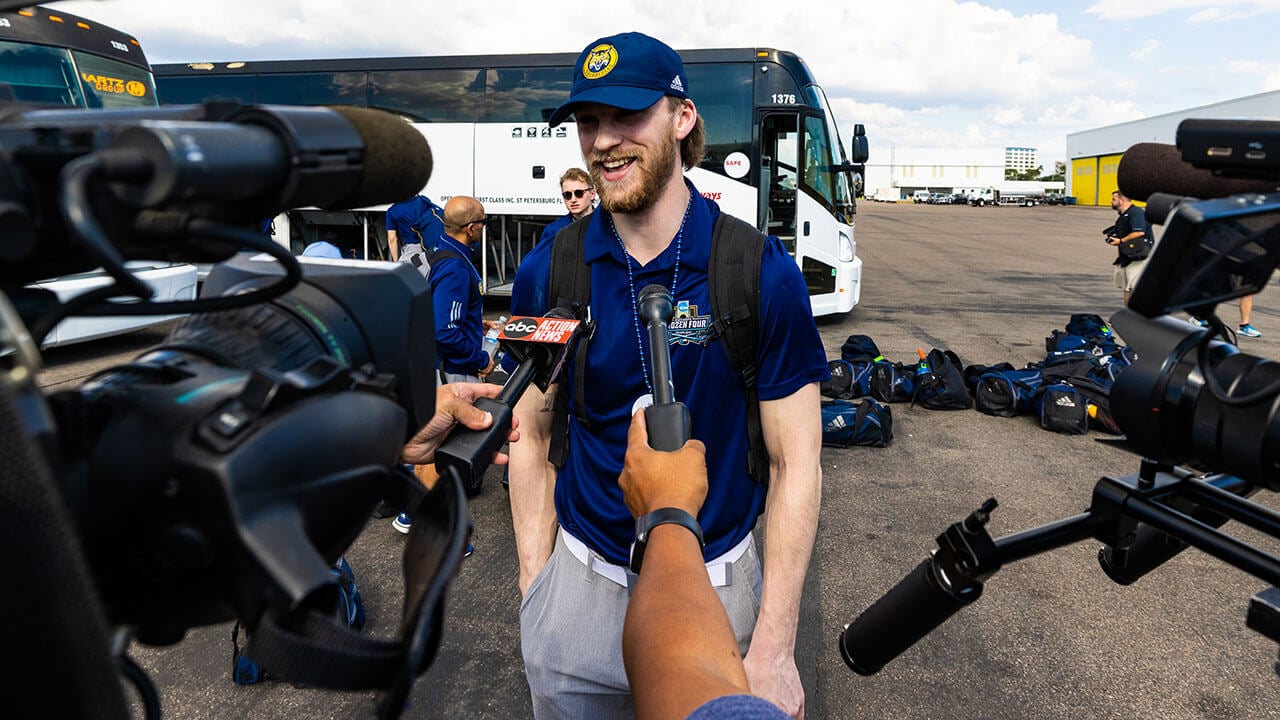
[{"x": 631, "y": 285}]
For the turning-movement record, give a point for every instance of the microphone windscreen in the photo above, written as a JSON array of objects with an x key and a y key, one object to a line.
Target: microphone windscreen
[
  {"x": 397, "y": 158},
  {"x": 654, "y": 303},
  {"x": 1148, "y": 168}
]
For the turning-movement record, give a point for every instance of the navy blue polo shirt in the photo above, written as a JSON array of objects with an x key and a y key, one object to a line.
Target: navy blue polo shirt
[
  {"x": 459, "y": 311},
  {"x": 415, "y": 219},
  {"x": 587, "y": 497}
]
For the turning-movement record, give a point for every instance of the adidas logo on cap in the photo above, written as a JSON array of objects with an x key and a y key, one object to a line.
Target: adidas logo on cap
[{"x": 676, "y": 84}]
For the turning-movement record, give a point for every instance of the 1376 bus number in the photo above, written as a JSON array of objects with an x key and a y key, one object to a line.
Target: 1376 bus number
[{"x": 784, "y": 99}]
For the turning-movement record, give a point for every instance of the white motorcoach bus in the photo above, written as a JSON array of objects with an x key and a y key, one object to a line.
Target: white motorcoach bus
[
  {"x": 774, "y": 154},
  {"x": 56, "y": 59}
]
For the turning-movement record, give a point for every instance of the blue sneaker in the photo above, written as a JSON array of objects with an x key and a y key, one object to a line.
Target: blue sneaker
[
  {"x": 402, "y": 523},
  {"x": 1248, "y": 330},
  {"x": 470, "y": 549}
]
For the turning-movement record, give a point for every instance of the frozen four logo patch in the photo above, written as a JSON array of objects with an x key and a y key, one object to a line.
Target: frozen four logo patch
[{"x": 687, "y": 327}]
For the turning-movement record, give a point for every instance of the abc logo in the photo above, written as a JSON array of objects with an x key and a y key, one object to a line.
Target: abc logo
[{"x": 520, "y": 327}]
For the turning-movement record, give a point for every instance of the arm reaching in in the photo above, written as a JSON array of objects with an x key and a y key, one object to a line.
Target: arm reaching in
[{"x": 677, "y": 642}]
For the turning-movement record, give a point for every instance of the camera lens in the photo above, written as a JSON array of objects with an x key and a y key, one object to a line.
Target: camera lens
[{"x": 1169, "y": 413}]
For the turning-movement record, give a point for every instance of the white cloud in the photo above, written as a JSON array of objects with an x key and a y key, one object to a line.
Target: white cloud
[
  {"x": 1143, "y": 53},
  {"x": 1205, "y": 10},
  {"x": 934, "y": 73},
  {"x": 1270, "y": 82}
]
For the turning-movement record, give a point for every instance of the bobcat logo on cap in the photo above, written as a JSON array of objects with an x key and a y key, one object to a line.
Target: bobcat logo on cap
[{"x": 600, "y": 62}]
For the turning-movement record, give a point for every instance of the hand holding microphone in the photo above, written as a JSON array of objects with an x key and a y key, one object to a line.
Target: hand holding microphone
[
  {"x": 542, "y": 345},
  {"x": 667, "y": 419}
]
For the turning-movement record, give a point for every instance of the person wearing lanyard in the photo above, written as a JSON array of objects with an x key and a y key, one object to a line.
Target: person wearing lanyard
[{"x": 637, "y": 128}]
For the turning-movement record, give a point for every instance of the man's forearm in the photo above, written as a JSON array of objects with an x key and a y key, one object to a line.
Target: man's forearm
[
  {"x": 677, "y": 641},
  {"x": 790, "y": 523},
  {"x": 393, "y": 244},
  {"x": 532, "y": 487},
  {"x": 793, "y": 433}
]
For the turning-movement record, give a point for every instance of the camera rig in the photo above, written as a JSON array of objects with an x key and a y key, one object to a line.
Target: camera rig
[
  {"x": 220, "y": 475},
  {"x": 1204, "y": 416}
]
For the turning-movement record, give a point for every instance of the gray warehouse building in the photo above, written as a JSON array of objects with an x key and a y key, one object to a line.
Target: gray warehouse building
[{"x": 1094, "y": 155}]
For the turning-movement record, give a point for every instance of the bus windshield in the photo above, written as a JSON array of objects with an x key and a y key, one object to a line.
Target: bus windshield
[
  {"x": 841, "y": 188},
  {"x": 58, "y": 76}
]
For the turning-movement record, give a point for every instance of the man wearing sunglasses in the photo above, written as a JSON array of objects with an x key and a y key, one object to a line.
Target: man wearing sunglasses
[
  {"x": 579, "y": 197},
  {"x": 455, "y": 294}
]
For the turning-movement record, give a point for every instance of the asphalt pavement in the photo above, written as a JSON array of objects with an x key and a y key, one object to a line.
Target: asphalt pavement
[{"x": 1051, "y": 637}]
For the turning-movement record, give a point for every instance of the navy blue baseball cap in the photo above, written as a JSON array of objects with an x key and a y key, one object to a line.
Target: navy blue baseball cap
[{"x": 630, "y": 71}]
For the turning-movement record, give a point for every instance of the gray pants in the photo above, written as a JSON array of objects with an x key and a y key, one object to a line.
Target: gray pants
[
  {"x": 445, "y": 378},
  {"x": 571, "y": 634}
]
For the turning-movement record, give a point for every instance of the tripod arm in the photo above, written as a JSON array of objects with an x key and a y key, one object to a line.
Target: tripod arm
[{"x": 1143, "y": 519}]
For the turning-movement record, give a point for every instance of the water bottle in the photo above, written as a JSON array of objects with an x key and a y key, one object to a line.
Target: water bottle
[{"x": 490, "y": 344}]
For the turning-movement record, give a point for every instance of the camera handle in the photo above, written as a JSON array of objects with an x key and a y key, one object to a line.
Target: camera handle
[{"x": 1143, "y": 519}]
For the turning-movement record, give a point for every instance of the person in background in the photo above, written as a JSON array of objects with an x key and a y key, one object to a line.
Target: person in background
[
  {"x": 579, "y": 199},
  {"x": 457, "y": 303},
  {"x": 323, "y": 247},
  {"x": 1130, "y": 225},
  {"x": 412, "y": 220},
  {"x": 1246, "y": 310}
]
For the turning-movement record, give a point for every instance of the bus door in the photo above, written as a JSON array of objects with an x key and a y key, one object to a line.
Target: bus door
[
  {"x": 804, "y": 203},
  {"x": 779, "y": 176}
]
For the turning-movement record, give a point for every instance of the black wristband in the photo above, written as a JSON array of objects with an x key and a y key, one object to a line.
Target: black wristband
[{"x": 661, "y": 516}]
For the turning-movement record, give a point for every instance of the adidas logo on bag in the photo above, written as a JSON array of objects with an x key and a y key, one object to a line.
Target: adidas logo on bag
[
  {"x": 837, "y": 423},
  {"x": 1064, "y": 401}
]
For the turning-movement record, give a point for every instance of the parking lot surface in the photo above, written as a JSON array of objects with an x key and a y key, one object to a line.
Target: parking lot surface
[{"x": 1052, "y": 637}]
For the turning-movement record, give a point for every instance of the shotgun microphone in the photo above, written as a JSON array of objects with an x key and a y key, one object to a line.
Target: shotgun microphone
[{"x": 1149, "y": 168}]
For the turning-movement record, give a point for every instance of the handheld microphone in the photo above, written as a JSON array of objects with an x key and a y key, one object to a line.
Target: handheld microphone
[
  {"x": 542, "y": 346},
  {"x": 258, "y": 160},
  {"x": 667, "y": 419},
  {"x": 1149, "y": 168}
]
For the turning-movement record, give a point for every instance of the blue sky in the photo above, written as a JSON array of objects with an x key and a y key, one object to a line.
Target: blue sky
[{"x": 917, "y": 73}]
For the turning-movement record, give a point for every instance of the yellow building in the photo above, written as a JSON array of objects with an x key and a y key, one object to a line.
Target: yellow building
[{"x": 1094, "y": 155}]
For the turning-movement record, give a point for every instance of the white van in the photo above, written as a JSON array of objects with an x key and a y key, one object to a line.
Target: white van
[{"x": 920, "y": 196}]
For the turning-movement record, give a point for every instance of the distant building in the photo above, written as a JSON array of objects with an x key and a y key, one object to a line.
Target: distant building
[
  {"x": 1095, "y": 154},
  {"x": 1020, "y": 159},
  {"x": 896, "y": 173}
]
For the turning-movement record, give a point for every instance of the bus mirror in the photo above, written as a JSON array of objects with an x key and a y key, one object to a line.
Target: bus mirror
[{"x": 859, "y": 150}]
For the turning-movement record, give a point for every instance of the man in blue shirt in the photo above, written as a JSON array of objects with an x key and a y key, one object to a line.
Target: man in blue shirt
[
  {"x": 637, "y": 127},
  {"x": 455, "y": 294},
  {"x": 579, "y": 198},
  {"x": 412, "y": 221},
  {"x": 457, "y": 303}
]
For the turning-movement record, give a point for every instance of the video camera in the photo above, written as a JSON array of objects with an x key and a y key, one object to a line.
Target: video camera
[
  {"x": 220, "y": 475},
  {"x": 1204, "y": 416}
]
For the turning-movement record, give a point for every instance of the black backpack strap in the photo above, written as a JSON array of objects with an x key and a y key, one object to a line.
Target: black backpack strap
[
  {"x": 569, "y": 287},
  {"x": 436, "y": 254},
  {"x": 733, "y": 279}
]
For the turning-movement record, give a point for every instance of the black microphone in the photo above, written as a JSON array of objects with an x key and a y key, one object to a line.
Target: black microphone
[
  {"x": 542, "y": 345},
  {"x": 667, "y": 420},
  {"x": 1149, "y": 168},
  {"x": 259, "y": 160}
]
